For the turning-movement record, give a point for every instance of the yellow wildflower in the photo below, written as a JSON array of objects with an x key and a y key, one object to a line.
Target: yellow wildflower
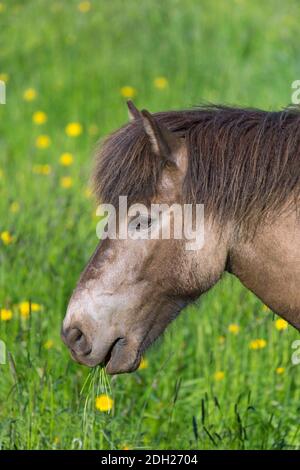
[
  {"x": 35, "y": 307},
  {"x": 104, "y": 402},
  {"x": 88, "y": 193},
  {"x": 266, "y": 308},
  {"x": 84, "y": 7},
  {"x": 4, "y": 77},
  {"x": 221, "y": 339},
  {"x": 6, "y": 237},
  {"x": 48, "y": 344},
  {"x": 66, "y": 182},
  {"x": 66, "y": 159},
  {"x": 257, "y": 344},
  {"x": 43, "y": 141},
  {"x": 14, "y": 207},
  {"x": 143, "y": 364},
  {"x": 262, "y": 343},
  {"x": 73, "y": 129},
  {"x": 233, "y": 328},
  {"x": 26, "y": 307},
  {"x": 39, "y": 117},
  {"x": 42, "y": 169},
  {"x": 93, "y": 129},
  {"x": 161, "y": 83},
  {"x": 5, "y": 314},
  {"x": 30, "y": 94},
  {"x": 219, "y": 375},
  {"x": 281, "y": 324},
  {"x": 128, "y": 91},
  {"x": 280, "y": 370}
]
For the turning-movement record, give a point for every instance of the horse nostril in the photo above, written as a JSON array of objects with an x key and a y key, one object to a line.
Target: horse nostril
[
  {"x": 77, "y": 341},
  {"x": 75, "y": 335}
]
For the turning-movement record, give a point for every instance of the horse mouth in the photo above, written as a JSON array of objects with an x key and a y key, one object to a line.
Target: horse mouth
[
  {"x": 121, "y": 357},
  {"x": 110, "y": 352}
]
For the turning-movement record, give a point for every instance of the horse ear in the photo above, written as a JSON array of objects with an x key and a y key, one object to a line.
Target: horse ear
[
  {"x": 133, "y": 112},
  {"x": 164, "y": 142}
]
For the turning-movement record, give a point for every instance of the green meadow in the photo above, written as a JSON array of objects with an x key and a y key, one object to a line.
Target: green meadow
[{"x": 222, "y": 376}]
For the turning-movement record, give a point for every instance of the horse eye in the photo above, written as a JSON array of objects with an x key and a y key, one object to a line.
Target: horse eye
[
  {"x": 148, "y": 222},
  {"x": 145, "y": 222}
]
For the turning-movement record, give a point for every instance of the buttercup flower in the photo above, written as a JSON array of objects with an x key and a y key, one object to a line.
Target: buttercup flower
[
  {"x": 143, "y": 364},
  {"x": 48, "y": 344},
  {"x": 66, "y": 159},
  {"x": 280, "y": 370},
  {"x": 84, "y": 7},
  {"x": 5, "y": 314},
  {"x": 88, "y": 193},
  {"x": 6, "y": 237},
  {"x": 93, "y": 129},
  {"x": 281, "y": 324},
  {"x": 257, "y": 344},
  {"x": 66, "y": 182},
  {"x": 219, "y": 375},
  {"x": 73, "y": 129},
  {"x": 234, "y": 328},
  {"x": 26, "y": 307},
  {"x": 161, "y": 83},
  {"x": 104, "y": 403},
  {"x": 128, "y": 91},
  {"x": 221, "y": 339},
  {"x": 39, "y": 117},
  {"x": 42, "y": 169},
  {"x": 14, "y": 207},
  {"x": 4, "y": 77},
  {"x": 30, "y": 94},
  {"x": 43, "y": 142}
]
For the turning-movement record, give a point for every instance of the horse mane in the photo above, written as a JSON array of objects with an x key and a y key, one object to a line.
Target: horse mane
[{"x": 243, "y": 163}]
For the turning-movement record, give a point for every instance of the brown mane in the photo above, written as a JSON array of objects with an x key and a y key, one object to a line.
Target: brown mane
[{"x": 243, "y": 163}]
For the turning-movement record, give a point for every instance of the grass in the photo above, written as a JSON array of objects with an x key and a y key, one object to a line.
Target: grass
[{"x": 237, "y": 52}]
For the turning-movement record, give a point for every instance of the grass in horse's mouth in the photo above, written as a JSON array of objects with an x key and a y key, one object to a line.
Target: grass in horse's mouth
[{"x": 96, "y": 383}]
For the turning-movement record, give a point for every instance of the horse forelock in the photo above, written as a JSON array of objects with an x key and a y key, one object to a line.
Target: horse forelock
[{"x": 242, "y": 163}]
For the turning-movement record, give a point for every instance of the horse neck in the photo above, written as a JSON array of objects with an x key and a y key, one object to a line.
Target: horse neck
[{"x": 269, "y": 265}]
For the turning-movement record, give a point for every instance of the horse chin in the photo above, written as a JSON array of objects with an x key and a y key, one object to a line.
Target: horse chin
[{"x": 120, "y": 359}]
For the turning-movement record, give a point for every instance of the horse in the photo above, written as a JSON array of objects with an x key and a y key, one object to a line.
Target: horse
[{"x": 242, "y": 165}]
